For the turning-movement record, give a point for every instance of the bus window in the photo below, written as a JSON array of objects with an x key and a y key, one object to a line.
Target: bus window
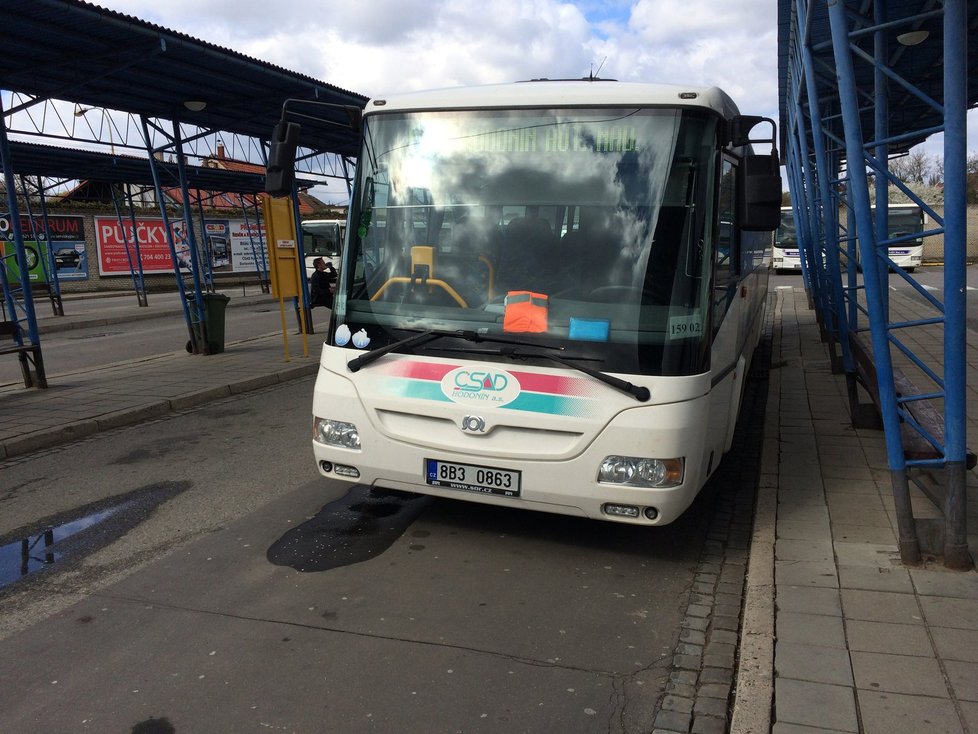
[{"x": 322, "y": 238}]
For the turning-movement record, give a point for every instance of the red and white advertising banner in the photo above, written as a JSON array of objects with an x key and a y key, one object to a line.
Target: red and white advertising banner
[{"x": 154, "y": 250}]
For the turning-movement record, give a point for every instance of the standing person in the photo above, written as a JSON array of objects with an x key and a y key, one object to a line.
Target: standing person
[{"x": 320, "y": 290}]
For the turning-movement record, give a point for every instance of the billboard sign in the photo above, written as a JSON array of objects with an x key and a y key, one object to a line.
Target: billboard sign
[{"x": 64, "y": 235}]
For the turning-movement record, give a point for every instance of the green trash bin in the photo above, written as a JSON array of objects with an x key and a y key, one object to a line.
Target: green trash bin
[{"x": 215, "y": 305}]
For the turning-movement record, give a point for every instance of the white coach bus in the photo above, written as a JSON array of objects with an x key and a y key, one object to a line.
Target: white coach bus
[
  {"x": 550, "y": 296},
  {"x": 905, "y": 227}
]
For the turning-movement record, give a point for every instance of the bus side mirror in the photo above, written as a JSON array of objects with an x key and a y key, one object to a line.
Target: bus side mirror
[
  {"x": 760, "y": 200},
  {"x": 280, "y": 172}
]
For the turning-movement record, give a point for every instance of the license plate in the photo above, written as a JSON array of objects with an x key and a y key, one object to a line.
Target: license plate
[{"x": 472, "y": 478}]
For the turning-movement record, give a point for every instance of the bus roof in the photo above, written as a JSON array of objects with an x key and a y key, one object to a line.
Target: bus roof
[{"x": 559, "y": 93}]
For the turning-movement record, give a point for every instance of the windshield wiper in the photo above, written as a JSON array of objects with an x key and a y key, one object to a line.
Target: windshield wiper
[
  {"x": 429, "y": 335},
  {"x": 638, "y": 392}
]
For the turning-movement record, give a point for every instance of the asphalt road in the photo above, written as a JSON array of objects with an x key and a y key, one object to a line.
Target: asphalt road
[{"x": 186, "y": 609}]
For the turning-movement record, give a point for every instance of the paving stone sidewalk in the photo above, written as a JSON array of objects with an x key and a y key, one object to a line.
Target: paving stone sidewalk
[{"x": 859, "y": 643}]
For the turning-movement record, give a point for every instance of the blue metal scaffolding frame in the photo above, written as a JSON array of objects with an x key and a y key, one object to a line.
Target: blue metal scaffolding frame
[{"x": 845, "y": 91}]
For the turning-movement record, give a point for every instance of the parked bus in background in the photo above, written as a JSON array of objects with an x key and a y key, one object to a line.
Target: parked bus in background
[
  {"x": 905, "y": 226},
  {"x": 322, "y": 238},
  {"x": 904, "y": 231},
  {"x": 550, "y": 296},
  {"x": 787, "y": 255}
]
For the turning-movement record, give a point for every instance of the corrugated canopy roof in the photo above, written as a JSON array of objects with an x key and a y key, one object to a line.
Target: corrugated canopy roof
[
  {"x": 30, "y": 159},
  {"x": 76, "y": 51},
  {"x": 921, "y": 64}
]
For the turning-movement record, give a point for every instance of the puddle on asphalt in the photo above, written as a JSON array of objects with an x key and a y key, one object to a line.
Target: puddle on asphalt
[
  {"x": 357, "y": 527},
  {"x": 70, "y": 536},
  {"x": 32, "y": 553}
]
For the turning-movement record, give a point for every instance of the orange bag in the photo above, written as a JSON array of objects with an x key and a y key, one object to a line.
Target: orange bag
[{"x": 526, "y": 312}]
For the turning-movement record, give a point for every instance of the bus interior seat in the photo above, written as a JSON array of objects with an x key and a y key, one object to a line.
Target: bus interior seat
[{"x": 528, "y": 257}]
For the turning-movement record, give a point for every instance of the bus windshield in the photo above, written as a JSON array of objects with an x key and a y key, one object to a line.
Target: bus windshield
[
  {"x": 584, "y": 230},
  {"x": 323, "y": 238},
  {"x": 902, "y": 222},
  {"x": 786, "y": 235}
]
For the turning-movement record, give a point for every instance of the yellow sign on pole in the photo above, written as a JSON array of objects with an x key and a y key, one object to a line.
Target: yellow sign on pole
[{"x": 283, "y": 261}]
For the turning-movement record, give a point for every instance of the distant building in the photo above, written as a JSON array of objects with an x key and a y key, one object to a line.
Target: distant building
[{"x": 101, "y": 192}]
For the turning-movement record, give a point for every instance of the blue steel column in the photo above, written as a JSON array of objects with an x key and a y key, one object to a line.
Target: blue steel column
[
  {"x": 19, "y": 256},
  {"x": 191, "y": 240},
  {"x": 955, "y": 299},
  {"x": 54, "y": 280},
  {"x": 858, "y": 186},
  {"x": 881, "y": 96},
  {"x": 166, "y": 228},
  {"x": 829, "y": 233},
  {"x": 130, "y": 260},
  {"x": 805, "y": 206},
  {"x": 802, "y": 207},
  {"x": 140, "y": 280},
  {"x": 39, "y": 239}
]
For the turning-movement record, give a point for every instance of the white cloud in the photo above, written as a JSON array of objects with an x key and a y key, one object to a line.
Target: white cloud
[
  {"x": 379, "y": 46},
  {"x": 382, "y": 46}
]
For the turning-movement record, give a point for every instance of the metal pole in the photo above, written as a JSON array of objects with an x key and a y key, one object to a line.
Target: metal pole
[
  {"x": 208, "y": 252},
  {"x": 19, "y": 256},
  {"x": 167, "y": 230},
  {"x": 125, "y": 241},
  {"x": 141, "y": 296},
  {"x": 191, "y": 239},
  {"x": 44, "y": 248},
  {"x": 833, "y": 289},
  {"x": 882, "y": 131},
  {"x": 53, "y": 280},
  {"x": 955, "y": 183}
]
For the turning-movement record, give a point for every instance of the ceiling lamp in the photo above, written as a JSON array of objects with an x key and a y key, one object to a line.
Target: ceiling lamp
[
  {"x": 195, "y": 105},
  {"x": 912, "y": 38}
]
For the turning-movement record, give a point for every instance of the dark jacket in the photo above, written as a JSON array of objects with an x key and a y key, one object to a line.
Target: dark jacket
[{"x": 321, "y": 287}]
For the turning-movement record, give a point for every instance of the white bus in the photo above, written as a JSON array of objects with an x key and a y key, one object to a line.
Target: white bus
[
  {"x": 549, "y": 297},
  {"x": 787, "y": 253},
  {"x": 905, "y": 226},
  {"x": 322, "y": 238}
]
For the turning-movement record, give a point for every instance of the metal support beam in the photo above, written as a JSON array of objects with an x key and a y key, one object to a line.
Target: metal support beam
[{"x": 955, "y": 248}]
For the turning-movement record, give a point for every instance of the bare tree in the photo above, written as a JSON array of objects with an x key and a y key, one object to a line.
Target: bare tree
[{"x": 912, "y": 168}]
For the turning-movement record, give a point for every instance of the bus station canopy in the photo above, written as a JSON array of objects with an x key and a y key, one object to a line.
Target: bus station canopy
[
  {"x": 32, "y": 159},
  {"x": 921, "y": 64},
  {"x": 82, "y": 53}
]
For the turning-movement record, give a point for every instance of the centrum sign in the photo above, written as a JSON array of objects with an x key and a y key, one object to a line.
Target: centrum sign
[
  {"x": 116, "y": 247},
  {"x": 64, "y": 235}
]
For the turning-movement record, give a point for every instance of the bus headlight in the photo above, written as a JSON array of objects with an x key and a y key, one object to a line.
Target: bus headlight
[
  {"x": 335, "y": 433},
  {"x": 641, "y": 472}
]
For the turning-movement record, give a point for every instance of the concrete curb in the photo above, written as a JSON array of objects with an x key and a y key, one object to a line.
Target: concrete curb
[
  {"x": 69, "y": 432},
  {"x": 754, "y": 692}
]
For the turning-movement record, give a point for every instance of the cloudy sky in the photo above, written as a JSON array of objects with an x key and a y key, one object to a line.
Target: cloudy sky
[{"x": 381, "y": 46}]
